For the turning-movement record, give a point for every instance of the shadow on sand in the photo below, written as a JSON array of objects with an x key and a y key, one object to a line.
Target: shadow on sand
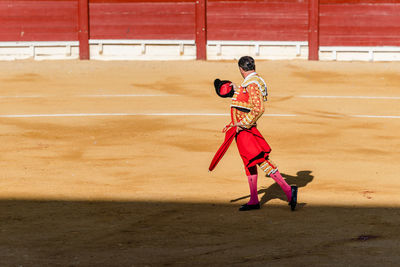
[
  {"x": 140, "y": 233},
  {"x": 274, "y": 191}
]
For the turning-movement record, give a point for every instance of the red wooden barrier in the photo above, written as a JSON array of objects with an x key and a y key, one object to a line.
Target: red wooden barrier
[
  {"x": 313, "y": 29},
  {"x": 118, "y": 19},
  {"x": 360, "y": 23},
  {"x": 267, "y": 20},
  {"x": 83, "y": 11},
  {"x": 50, "y": 20},
  {"x": 338, "y": 22},
  {"x": 201, "y": 29}
]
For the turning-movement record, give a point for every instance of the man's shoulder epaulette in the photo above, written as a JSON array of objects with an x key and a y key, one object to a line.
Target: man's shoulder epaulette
[{"x": 255, "y": 78}]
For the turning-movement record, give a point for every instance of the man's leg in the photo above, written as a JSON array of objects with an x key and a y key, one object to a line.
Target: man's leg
[
  {"x": 272, "y": 171},
  {"x": 252, "y": 179}
]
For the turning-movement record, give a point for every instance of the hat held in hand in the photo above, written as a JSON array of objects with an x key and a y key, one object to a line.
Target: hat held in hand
[{"x": 223, "y": 88}]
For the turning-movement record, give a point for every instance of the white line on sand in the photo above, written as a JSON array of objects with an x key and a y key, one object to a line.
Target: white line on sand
[
  {"x": 129, "y": 114},
  {"x": 176, "y": 114},
  {"x": 162, "y": 95},
  {"x": 127, "y": 95},
  {"x": 375, "y": 116},
  {"x": 99, "y": 95},
  {"x": 20, "y": 96},
  {"x": 110, "y": 114},
  {"x": 350, "y": 97}
]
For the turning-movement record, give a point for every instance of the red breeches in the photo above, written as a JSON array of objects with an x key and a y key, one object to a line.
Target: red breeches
[{"x": 253, "y": 149}]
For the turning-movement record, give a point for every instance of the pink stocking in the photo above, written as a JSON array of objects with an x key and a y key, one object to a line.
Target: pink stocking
[
  {"x": 282, "y": 183},
  {"x": 253, "y": 189}
]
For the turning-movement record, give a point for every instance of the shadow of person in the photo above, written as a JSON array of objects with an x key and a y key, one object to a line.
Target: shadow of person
[{"x": 274, "y": 191}]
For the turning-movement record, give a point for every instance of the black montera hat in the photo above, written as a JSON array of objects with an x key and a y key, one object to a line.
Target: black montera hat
[{"x": 223, "y": 88}]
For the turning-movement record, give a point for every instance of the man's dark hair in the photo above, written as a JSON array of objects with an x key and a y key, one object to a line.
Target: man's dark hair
[{"x": 247, "y": 63}]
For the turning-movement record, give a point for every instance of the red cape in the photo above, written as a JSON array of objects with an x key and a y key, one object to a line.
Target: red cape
[{"x": 229, "y": 136}]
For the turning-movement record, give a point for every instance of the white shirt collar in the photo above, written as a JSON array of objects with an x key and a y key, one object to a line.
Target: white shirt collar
[{"x": 249, "y": 76}]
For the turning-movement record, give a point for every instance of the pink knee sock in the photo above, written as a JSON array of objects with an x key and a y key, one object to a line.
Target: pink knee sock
[
  {"x": 282, "y": 183},
  {"x": 253, "y": 189}
]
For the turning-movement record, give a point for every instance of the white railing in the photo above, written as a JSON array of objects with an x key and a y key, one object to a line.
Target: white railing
[
  {"x": 33, "y": 45},
  {"x": 367, "y": 49},
  {"x": 142, "y": 43},
  {"x": 257, "y": 44},
  {"x": 371, "y": 50}
]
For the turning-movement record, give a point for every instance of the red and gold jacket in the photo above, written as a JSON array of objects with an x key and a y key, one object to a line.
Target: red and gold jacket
[{"x": 248, "y": 101}]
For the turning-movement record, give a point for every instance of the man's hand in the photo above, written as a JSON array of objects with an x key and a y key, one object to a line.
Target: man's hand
[
  {"x": 235, "y": 87},
  {"x": 239, "y": 127}
]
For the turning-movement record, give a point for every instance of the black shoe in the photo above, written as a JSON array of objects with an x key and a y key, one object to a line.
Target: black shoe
[
  {"x": 293, "y": 201},
  {"x": 247, "y": 207}
]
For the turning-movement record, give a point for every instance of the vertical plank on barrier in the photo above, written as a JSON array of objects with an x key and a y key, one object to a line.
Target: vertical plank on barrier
[
  {"x": 83, "y": 32},
  {"x": 201, "y": 29},
  {"x": 313, "y": 29}
]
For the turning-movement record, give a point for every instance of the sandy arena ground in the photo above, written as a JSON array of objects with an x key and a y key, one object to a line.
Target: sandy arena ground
[{"x": 106, "y": 164}]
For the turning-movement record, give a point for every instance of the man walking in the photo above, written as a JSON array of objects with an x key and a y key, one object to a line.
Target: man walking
[{"x": 246, "y": 108}]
